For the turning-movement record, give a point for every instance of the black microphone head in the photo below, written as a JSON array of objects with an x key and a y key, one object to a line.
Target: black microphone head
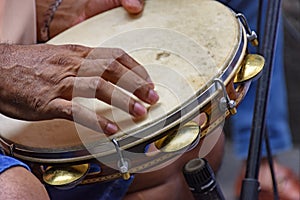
[{"x": 198, "y": 174}]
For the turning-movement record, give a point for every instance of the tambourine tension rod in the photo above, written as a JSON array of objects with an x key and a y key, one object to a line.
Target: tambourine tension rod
[
  {"x": 123, "y": 165},
  {"x": 11, "y": 149},
  {"x": 226, "y": 102},
  {"x": 251, "y": 35}
]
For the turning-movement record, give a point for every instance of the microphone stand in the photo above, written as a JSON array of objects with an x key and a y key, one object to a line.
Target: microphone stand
[{"x": 250, "y": 185}]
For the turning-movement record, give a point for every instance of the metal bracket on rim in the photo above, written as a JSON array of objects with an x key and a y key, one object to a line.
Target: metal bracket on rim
[
  {"x": 11, "y": 149},
  {"x": 122, "y": 164},
  {"x": 251, "y": 35},
  {"x": 226, "y": 102}
]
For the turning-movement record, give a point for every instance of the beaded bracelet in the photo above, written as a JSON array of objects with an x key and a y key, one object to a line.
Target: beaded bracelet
[{"x": 45, "y": 30}]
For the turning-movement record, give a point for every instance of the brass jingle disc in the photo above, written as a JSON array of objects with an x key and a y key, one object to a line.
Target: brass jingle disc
[
  {"x": 65, "y": 175},
  {"x": 251, "y": 67},
  {"x": 180, "y": 138}
]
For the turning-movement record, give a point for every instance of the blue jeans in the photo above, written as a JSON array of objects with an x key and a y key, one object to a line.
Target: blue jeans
[
  {"x": 113, "y": 190},
  {"x": 277, "y": 124},
  {"x": 8, "y": 162}
]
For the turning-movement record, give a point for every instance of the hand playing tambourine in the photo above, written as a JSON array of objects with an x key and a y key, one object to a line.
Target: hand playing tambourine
[
  {"x": 38, "y": 83},
  {"x": 59, "y": 15}
]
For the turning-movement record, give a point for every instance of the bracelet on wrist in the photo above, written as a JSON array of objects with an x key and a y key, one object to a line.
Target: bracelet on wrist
[{"x": 45, "y": 30}]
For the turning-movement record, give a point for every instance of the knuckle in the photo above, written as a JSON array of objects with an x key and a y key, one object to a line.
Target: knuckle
[
  {"x": 101, "y": 85},
  {"x": 60, "y": 60},
  {"x": 113, "y": 67},
  {"x": 59, "y": 108},
  {"x": 93, "y": 87},
  {"x": 67, "y": 82},
  {"x": 76, "y": 48},
  {"x": 63, "y": 61},
  {"x": 65, "y": 88},
  {"x": 68, "y": 110},
  {"x": 94, "y": 83},
  {"x": 117, "y": 52},
  {"x": 38, "y": 104}
]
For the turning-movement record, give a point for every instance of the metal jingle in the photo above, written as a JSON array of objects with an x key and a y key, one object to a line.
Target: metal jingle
[
  {"x": 251, "y": 67},
  {"x": 65, "y": 177},
  {"x": 180, "y": 138}
]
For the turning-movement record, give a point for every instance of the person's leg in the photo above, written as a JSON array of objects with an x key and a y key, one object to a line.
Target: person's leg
[
  {"x": 277, "y": 114},
  {"x": 19, "y": 183}
]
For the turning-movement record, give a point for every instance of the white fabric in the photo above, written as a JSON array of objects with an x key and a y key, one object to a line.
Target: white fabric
[{"x": 17, "y": 21}]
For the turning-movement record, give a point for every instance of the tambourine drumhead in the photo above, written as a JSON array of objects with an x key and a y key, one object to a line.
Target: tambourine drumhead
[{"x": 184, "y": 45}]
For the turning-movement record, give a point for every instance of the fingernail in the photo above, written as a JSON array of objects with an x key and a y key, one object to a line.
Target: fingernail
[
  {"x": 133, "y": 6},
  {"x": 153, "y": 96},
  {"x": 136, "y": 3},
  {"x": 139, "y": 109},
  {"x": 111, "y": 128}
]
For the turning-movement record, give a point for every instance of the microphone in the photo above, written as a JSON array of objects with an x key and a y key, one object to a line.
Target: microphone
[{"x": 201, "y": 180}]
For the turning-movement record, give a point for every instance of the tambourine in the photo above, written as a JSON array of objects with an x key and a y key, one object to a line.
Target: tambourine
[{"x": 196, "y": 54}]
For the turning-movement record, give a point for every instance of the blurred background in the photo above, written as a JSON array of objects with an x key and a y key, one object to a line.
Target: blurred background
[{"x": 231, "y": 165}]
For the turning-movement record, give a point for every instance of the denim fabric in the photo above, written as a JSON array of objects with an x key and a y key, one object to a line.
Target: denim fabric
[
  {"x": 277, "y": 114},
  {"x": 7, "y": 162},
  {"x": 114, "y": 190}
]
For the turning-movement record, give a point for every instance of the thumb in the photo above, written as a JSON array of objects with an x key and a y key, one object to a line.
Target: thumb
[
  {"x": 133, "y": 6},
  {"x": 95, "y": 7}
]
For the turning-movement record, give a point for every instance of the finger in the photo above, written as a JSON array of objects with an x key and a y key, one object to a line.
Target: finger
[
  {"x": 94, "y": 7},
  {"x": 133, "y": 65},
  {"x": 113, "y": 71},
  {"x": 96, "y": 87},
  {"x": 133, "y": 6},
  {"x": 98, "y": 6},
  {"x": 74, "y": 112},
  {"x": 122, "y": 57}
]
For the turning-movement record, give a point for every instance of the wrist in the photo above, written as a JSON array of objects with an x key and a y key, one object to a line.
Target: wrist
[{"x": 46, "y": 21}]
